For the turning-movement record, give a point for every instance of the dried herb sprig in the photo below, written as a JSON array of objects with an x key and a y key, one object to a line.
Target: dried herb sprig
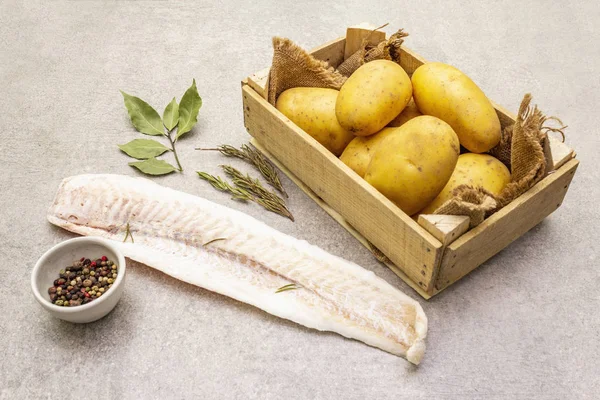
[
  {"x": 247, "y": 188},
  {"x": 269, "y": 200},
  {"x": 291, "y": 286},
  {"x": 128, "y": 234},
  {"x": 223, "y": 186},
  {"x": 213, "y": 240},
  {"x": 253, "y": 156}
]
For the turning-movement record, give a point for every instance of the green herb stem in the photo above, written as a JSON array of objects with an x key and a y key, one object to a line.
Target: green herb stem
[{"x": 174, "y": 151}]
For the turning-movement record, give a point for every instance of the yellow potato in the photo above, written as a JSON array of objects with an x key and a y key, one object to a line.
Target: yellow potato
[
  {"x": 412, "y": 165},
  {"x": 313, "y": 110},
  {"x": 444, "y": 92},
  {"x": 410, "y": 111},
  {"x": 373, "y": 96},
  {"x": 472, "y": 169},
  {"x": 358, "y": 153}
]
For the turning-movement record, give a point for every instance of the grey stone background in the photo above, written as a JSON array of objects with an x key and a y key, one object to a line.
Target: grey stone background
[{"x": 523, "y": 326}]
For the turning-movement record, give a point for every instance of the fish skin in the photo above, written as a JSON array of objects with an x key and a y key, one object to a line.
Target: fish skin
[{"x": 249, "y": 263}]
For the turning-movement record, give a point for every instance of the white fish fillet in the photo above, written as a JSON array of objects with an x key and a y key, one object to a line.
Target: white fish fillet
[{"x": 252, "y": 261}]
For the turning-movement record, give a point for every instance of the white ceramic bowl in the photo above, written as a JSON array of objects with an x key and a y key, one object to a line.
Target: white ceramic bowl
[{"x": 62, "y": 255}]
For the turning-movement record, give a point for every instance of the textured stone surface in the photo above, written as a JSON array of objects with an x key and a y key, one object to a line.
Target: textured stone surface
[{"x": 525, "y": 325}]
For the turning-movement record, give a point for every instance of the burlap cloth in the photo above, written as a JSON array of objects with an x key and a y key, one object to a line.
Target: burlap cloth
[
  {"x": 520, "y": 148},
  {"x": 293, "y": 67}
]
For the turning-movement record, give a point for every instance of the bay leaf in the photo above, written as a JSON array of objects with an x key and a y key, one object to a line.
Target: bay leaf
[
  {"x": 171, "y": 115},
  {"x": 188, "y": 110},
  {"x": 143, "y": 116},
  {"x": 152, "y": 166},
  {"x": 143, "y": 149}
]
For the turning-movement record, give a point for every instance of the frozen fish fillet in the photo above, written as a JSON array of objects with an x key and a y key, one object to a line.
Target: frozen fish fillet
[{"x": 229, "y": 252}]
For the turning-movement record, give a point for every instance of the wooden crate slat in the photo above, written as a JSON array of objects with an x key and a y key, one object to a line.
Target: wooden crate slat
[
  {"x": 445, "y": 228},
  {"x": 356, "y": 34},
  {"x": 502, "y": 228},
  {"x": 331, "y": 52},
  {"x": 335, "y": 215},
  {"x": 410, "y": 61},
  {"x": 399, "y": 237},
  {"x": 259, "y": 81}
]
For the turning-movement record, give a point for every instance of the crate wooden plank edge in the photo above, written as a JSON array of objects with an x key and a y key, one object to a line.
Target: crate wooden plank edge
[
  {"x": 499, "y": 230},
  {"x": 445, "y": 228},
  {"x": 357, "y": 33},
  {"x": 336, "y": 216},
  {"x": 397, "y": 235}
]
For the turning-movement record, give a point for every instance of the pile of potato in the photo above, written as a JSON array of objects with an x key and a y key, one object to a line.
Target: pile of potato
[{"x": 403, "y": 135}]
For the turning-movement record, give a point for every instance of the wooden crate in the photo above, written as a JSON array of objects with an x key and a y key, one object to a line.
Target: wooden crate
[{"x": 427, "y": 257}]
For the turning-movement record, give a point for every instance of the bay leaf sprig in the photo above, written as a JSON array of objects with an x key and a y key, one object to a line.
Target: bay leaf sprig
[
  {"x": 253, "y": 156},
  {"x": 269, "y": 200},
  {"x": 178, "y": 119}
]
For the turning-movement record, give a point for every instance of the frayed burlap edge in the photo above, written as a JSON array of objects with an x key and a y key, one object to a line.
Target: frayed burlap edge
[
  {"x": 378, "y": 254},
  {"x": 386, "y": 50},
  {"x": 502, "y": 150},
  {"x": 527, "y": 163},
  {"x": 293, "y": 67},
  {"x": 473, "y": 202}
]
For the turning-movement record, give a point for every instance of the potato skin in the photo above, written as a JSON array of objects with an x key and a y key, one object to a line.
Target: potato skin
[
  {"x": 359, "y": 151},
  {"x": 410, "y": 111},
  {"x": 373, "y": 96},
  {"x": 473, "y": 169},
  {"x": 445, "y": 92},
  {"x": 313, "y": 110},
  {"x": 412, "y": 165}
]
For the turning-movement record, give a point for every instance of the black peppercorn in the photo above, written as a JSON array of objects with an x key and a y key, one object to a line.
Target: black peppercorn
[{"x": 83, "y": 282}]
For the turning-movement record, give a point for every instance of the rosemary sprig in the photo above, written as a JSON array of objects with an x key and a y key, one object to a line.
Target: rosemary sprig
[
  {"x": 265, "y": 167},
  {"x": 128, "y": 234},
  {"x": 269, "y": 200},
  {"x": 291, "y": 286},
  {"x": 220, "y": 184},
  {"x": 253, "y": 156}
]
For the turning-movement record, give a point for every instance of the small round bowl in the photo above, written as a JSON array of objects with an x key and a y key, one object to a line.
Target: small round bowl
[{"x": 62, "y": 255}]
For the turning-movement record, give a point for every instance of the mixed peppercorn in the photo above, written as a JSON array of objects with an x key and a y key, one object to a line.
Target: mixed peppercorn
[{"x": 83, "y": 282}]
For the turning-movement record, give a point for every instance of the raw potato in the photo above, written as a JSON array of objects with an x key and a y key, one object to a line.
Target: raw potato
[
  {"x": 472, "y": 169},
  {"x": 313, "y": 110},
  {"x": 358, "y": 153},
  {"x": 412, "y": 165},
  {"x": 410, "y": 111},
  {"x": 372, "y": 97},
  {"x": 445, "y": 92}
]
